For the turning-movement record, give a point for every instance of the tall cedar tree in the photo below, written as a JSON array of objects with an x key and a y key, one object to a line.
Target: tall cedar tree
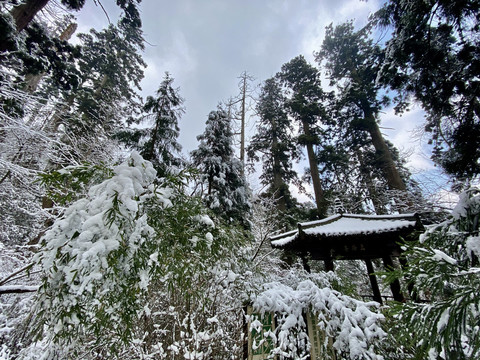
[
  {"x": 109, "y": 71},
  {"x": 434, "y": 55},
  {"x": 274, "y": 141},
  {"x": 304, "y": 104},
  {"x": 352, "y": 62},
  {"x": 27, "y": 46},
  {"x": 158, "y": 143},
  {"x": 16, "y": 16},
  {"x": 221, "y": 172}
]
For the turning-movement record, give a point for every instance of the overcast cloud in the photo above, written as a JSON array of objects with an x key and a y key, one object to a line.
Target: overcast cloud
[{"x": 207, "y": 44}]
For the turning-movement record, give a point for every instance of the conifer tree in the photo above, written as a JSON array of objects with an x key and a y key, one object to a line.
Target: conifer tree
[
  {"x": 63, "y": 125},
  {"x": 158, "y": 143},
  {"x": 352, "y": 61},
  {"x": 274, "y": 142},
  {"x": 225, "y": 189},
  {"x": 434, "y": 55},
  {"x": 111, "y": 69},
  {"x": 304, "y": 104}
]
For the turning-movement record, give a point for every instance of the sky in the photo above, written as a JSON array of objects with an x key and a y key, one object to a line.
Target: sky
[{"x": 206, "y": 44}]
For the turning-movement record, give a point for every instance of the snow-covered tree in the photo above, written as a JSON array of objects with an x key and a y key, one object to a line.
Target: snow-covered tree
[
  {"x": 224, "y": 188},
  {"x": 158, "y": 141},
  {"x": 351, "y": 328},
  {"x": 62, "y": 125}
]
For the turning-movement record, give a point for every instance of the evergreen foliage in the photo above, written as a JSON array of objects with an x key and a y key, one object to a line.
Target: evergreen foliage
[
  {"x": 443, "y": 271},
  {"x": 274, "y": 142},
  {"x": 111, "y": 69},
  {"x": 134, "y": 263},
  {"x": 158, "y": 142},
  {"x": 221, "y": 174},
  {"x": 305, "y": 105},
  {"x": 434, "y": 56},
  {"x": 150, "y": 258},
  {"x": 352, "y": 61}
]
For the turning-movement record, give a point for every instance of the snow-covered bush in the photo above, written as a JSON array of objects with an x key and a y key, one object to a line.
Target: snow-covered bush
[
  {"x": 136, "y": 269},
  {"x": 352, "y": 327},
  {"x": 443, "y": 268}
]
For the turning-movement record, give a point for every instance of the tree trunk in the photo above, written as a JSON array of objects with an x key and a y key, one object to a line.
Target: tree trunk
[
  {"x": 377, "y": 296},
  {"x": 312, "y": 161},
  {"x": 389, "y": 169},
  {"x": 242, "y": 124},
  {"x": 278, "y": 183},
  {"x": 395, "y": 285},
  {"x": 24, "y": 13},
  {"x": 278, "y": 186},
  {"x": 32, "y": 80}
]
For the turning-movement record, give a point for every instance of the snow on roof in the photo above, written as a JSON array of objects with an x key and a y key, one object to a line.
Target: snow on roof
[
  {"x": 348, "y": 224},
  {"x": 351, "y": 226},
  {"x": 284, "y": 239}
]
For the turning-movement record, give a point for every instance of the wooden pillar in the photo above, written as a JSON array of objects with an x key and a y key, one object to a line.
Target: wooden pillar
[
  {"x": 377, "y": 296},
  {"x": 306, "y": 267},
  {"x": 329, "y": 265},
  {"x": 395, "y": 285}
]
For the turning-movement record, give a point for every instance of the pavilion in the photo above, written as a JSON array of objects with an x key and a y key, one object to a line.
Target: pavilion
[{"x": 353, "y": 237}]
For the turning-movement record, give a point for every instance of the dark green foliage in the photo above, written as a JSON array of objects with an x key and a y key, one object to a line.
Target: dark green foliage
[
  {"x": 74, "y": 4},
  {"x": 71, "y": 183},
  {"x": 111, "y": 69},
  {"x": 158, "y": 143},
  {"x": 304, "y": 102},
  {"x": 37, "y": 52},
  {"x": 8, "y": 31},
  {"x": 368, "y": 163},
  {"x": 351, "y": 62},
  {"x": 443, "y": 270},
  {"x": 274, "y": 141},
  {"x": 302, "y": 81},
  {"x": 434, "y": 55},
  {"x": 43, "y": 53}
]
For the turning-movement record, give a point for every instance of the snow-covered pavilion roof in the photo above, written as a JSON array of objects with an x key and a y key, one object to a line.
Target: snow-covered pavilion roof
[{"x": 349, "y": 235}]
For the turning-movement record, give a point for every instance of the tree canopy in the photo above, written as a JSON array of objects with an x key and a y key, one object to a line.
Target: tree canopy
[{"x": 116, "y": 245}]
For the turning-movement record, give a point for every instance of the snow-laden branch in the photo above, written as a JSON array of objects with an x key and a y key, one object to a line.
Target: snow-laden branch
[{"x": 17, "y": 289}]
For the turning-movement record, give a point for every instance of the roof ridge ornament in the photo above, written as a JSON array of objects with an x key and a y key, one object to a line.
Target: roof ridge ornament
[{"x": 338, "y": 207}]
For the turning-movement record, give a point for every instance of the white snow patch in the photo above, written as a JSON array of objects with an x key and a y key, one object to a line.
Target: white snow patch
[
  {"x": 473, "y": 245},
  {"x": 205, "y": 219},
  {"x": 351, "y": 226},
  {"x": 441, "y": 256}
]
